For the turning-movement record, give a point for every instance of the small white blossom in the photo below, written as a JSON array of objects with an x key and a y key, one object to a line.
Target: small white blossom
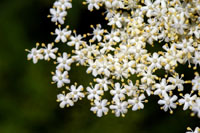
[
  {"x": 116, "y": 20},
  {"x": 178, "y": 82},
  {"x": 187, "y": 100},
  {"x": 49, "y": 52},
  {"x": 76, "y": 41},
  {"x": 65, "y": 100},
  {"x": 63, "y": 4},
  {"x": 155, "y": 61},
  {"x": 118, "y": 92},
  {"x": 64, "y": 62},
  {"x": 119, "y": 108},
  {"x": 93, "y": 4},
  {"x": 104, "y": 66},
  {"x": 195, "y": 30},
  {"x": 35, "y": 54},
  {"x": 196, "y": 107},
  {"x": 80, "y": 57},
  {"x": 131, "y": 90},
  {"x": 76, "y": 92},
  {"x": 196, "y": 59},
  {"x": 196, "y": 83},
  {"x": 103, "y": 83},
  {"x": 61, "y": 78},
  {"x": 97, "y": 33},
  {"x": 62, "y": 34},
  {"x": 137, "y": 102},
  {"x": 57, "y": 15},
  {"x": 94, "y": 92},
  {"x": 92, "y": 67},
  {"x": 168, "y": 102},
  {"x": 162, "y": 88},
  {"x": 100, "y": 107},
  {"x": 113, "y": 36}
]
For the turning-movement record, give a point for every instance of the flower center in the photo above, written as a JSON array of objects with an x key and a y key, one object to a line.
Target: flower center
[
  {"x": 61, "y": 33},
  {"x": 94, "y": 92},
  {"x": 99, "y": 107},
  {"x": 187, "y": 100},
  {"x": 118, "y": 91},
  {"x": 168, "y": 102},
  {"x": 60, "y": 77},
  {"x": 75, "y": 92},
  {"x": 64, "y": 61}
]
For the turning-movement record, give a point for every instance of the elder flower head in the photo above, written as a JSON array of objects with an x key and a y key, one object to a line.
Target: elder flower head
[{"x": 114, "y": 55}]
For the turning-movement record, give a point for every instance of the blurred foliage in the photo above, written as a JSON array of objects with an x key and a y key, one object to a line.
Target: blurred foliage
[{"x": 28, "y": 100}]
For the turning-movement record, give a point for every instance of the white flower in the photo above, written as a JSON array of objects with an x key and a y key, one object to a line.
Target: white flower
[
  {"x": 65, "y": 100},
  {"x": 76, "y": 40},
  {"x": 155, "y": 61},
  {"x": 118, "y": 92},
  {"x": 103, "y": 83},
  {"x": 196, "y": 107},
  {"x": 92, "y": 4},
  {"x": 94, "y": 92},
  {"x": 179, "y": 23},
  {"x": 100, "y": 107},
  {"x": 178, "y": 82},
  {"x": 106, "y": 47},
  {"x": 113, "y": 36},
  {"x": 80, "y": 56},
  {"x": 138, "y": 51},
  {"x": 76, "y": 93},
  {"x": 168, "y": 102},
  {"x": 117, "y": 4},
  {"x": 148, "y": 78},
  {"x": 61, "y": 78},
  {"x": 186, "y": 46},
  {"x": 147, "y": 89},
  {"x": 92, "y": 67},
  {"x": 171, "y": 57},
  {"x": 57, "y": 15},
  {"x": 131, "y": 89},
  {"x": 129, "y": 66},
  {"x": 109, "y": 13},
  {"x": 62, "y": 34},
  {"x": 97, "y": 33},
  {"x": 196, "y": 59},
  {"x": 108, "y": 4},
  {"x": 91, "y": 50},
  {"x": 162, "y": 88},
  {"x": 116, "y": 20},
  {"x": 35, "y": 54},
  {"x": 140, "y": 68},
  {"x": 103, "y": 66},
  {"x": 196, "y": 83},
  {"x": 119, "y": 108},
  {"x": 64, "y": 62},
  {"x": 63, "y": 4},
  {"x": 195, "y": 30},
  {"x": 187, "y": 100},
  {"x": 137, "y": 102},
  {"x": 49, "y": 52}
]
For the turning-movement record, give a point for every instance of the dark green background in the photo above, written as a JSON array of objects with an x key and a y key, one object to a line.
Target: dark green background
[{"x": 28, "y": 100}]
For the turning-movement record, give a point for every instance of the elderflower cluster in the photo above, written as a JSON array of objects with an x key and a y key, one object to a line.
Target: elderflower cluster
[{"x": 114, "y": 56}]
